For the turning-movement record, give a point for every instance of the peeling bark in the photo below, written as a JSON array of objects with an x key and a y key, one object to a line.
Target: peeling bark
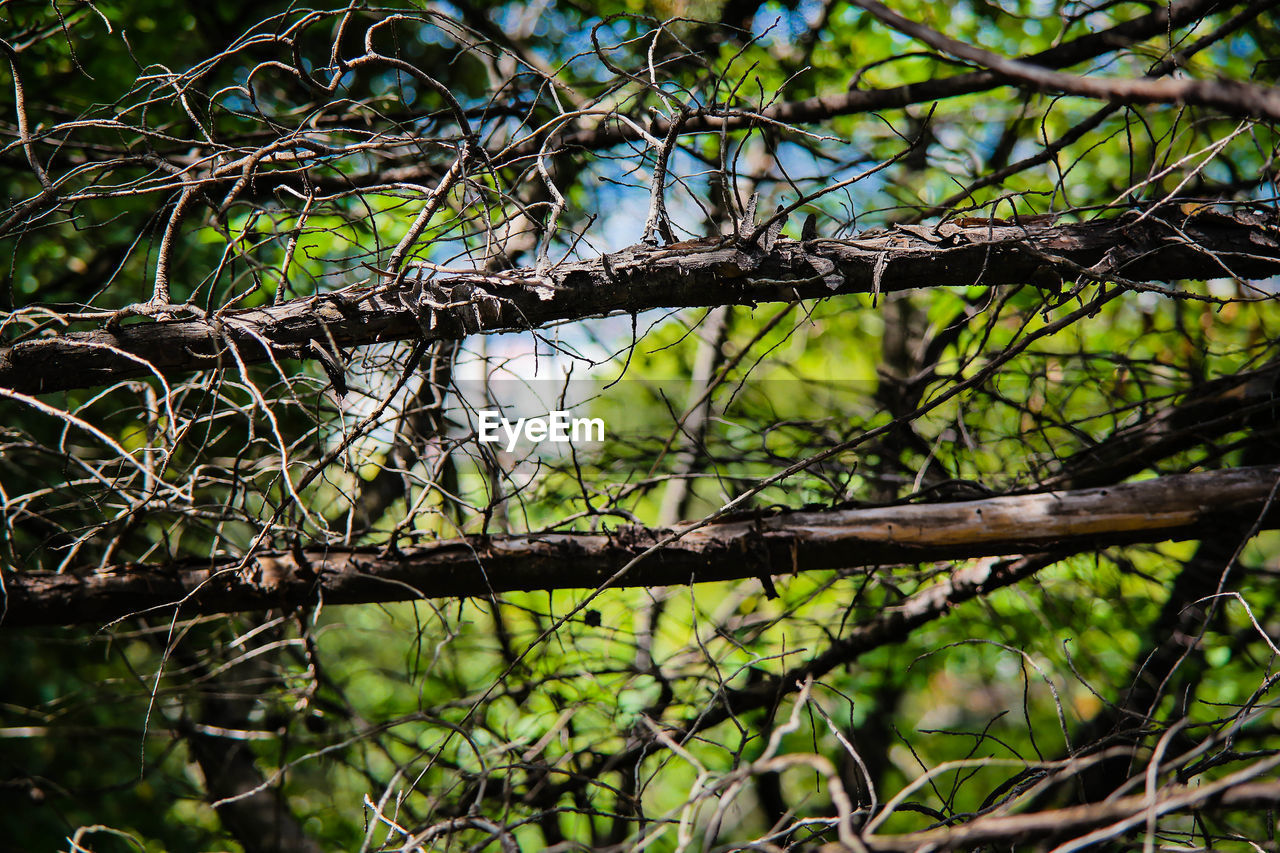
[
  {"x": 1176, "y": 507},
  {"x": 697, "y": 273}
]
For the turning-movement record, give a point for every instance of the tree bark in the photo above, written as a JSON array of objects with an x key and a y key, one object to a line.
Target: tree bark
[
  {"x": 1183, "y": 506},
  {"x": 698, "y": 273},
  {"x": 1113, "y": 818}
]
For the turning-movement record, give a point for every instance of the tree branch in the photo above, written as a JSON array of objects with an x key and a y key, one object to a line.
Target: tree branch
[
  {"x": 695, "y": 274},
  {"x": 1121, "y": 816},
  {"x": 1175, "y": 507},
  {"x": 1231, "y": 96},
  {"x": 1249, "y": 399},
  {"x": 610, "y": 132}
]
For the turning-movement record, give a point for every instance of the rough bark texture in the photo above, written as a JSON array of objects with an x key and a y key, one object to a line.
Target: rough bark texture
[
  {"x": 704, "y": 272},
  {"x": 1176, "y": 507}
]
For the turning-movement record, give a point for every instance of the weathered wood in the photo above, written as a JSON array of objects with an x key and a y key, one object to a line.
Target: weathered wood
[
  {"x": 1168, "y": 508},
  {"x": 701, "y": 273},
  {"x": 1125, "y": 814}
]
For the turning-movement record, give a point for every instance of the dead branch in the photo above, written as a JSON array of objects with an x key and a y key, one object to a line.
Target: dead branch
[
  {"x": 700, "y": 273},
  {"x": 1168, "y": 508},
  {"x": 1232, "y": 96},
  {"x": 1124, "y": 813}
]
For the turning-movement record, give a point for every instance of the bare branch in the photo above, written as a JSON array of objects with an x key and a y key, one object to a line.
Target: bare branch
[
  {"x": 1175, "y": 507},
  {"x": 1230, "y": 96},
  {"x": 639, "y": 278},
  {"x": 1057, "y": 823}
]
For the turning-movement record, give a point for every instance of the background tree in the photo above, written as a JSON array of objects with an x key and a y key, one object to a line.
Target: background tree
[{"x": 937, "y": 345}]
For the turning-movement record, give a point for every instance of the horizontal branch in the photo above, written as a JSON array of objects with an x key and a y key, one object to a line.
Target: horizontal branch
[
  {"x": 1175, "y": 507},
  {"x": 1107, "y": 819},
  {"x": 696, "y": 273}
]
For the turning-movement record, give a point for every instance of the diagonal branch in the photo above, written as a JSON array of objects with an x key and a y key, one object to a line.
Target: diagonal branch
[
  {"x": 1249, "y": 399},
  {"x": 1231, "y": 96},
  {"x": 292, "y": 168},
  {"x": 609, "y": 132}
]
